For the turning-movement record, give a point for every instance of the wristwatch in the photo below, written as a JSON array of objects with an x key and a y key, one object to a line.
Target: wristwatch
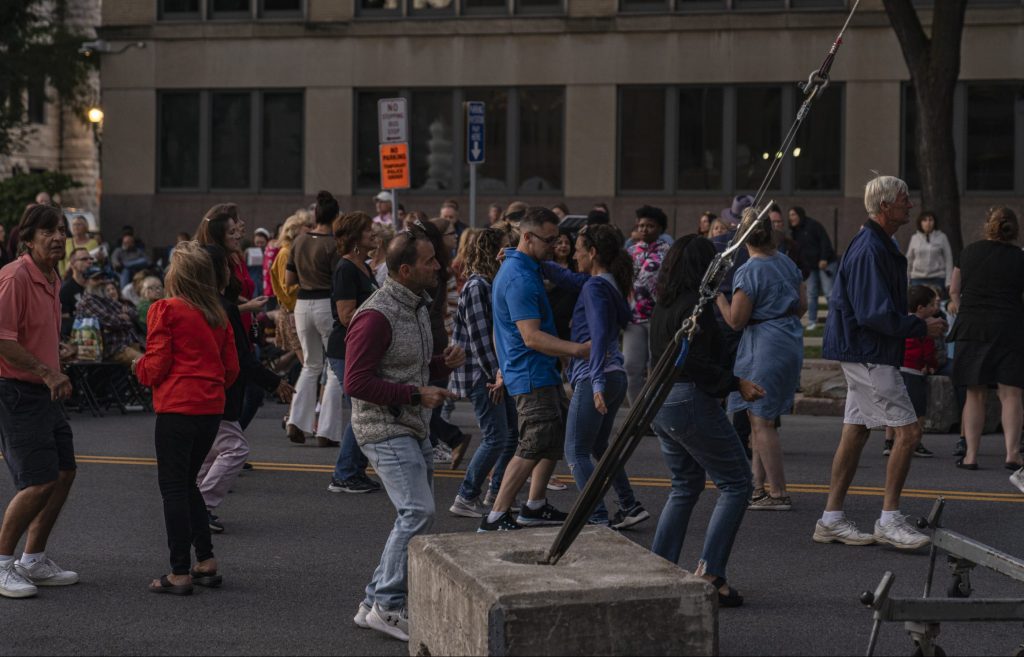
[{"x": 416, "y": 398}]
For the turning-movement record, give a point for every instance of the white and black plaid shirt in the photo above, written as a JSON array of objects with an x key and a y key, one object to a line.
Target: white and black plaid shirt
[{"x": 473, "y": 332}]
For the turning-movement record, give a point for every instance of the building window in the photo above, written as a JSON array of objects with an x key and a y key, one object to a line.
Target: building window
[
  {"x": 447, "y": 8},
  {"x": 524, "y": 139},
  {"x": 282, "y": 8},
  {"x": 36, "y": 105},
  {"x": 179, "y": 9},
  {"x": 230, "y": 9},
  {"x": 661, "y": 6},
  {"x": 231, "y": 140},
  {"x": 726, "y": 138}
]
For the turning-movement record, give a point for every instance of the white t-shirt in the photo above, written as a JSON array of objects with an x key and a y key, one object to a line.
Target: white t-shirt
[{"x": 254, "y": 257}]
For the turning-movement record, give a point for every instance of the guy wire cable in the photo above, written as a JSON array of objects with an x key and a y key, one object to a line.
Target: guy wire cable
[{"x": 659, "y": 382}]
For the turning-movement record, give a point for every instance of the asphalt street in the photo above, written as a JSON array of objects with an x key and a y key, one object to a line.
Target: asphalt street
[{"x": 296, "y": 557}]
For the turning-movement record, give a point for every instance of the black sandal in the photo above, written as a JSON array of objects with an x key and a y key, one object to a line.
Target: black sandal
[
  {"x": 173, "y": 589},
  {"x": 966, "y": 466},
  {"x": 733, "y": 599},
  {"x": 209, "y": 580}
]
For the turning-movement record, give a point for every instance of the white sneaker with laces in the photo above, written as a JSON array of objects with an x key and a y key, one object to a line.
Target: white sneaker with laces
[
  {"x": 467, "y": 508},
  {"x": 844, "y": 532},
  {"x": 13, "y": 584},
  {"x": 899, "y": 534},
  {"x": 47, "y": 573},
  {"x": 360, "y": 617},
  {"x": 1017, "y": 479},
  {"x": 393, "y": 623},
  {"x": 442, "y": 454}
]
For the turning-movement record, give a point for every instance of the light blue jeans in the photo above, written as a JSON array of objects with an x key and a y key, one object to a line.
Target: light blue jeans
[
  {"x": 351, "y": 461},
  {"x": 586, "y": 438},
  {"x": 405, "y": 466},
  {"x": 697, "y": 442},
  {"x": 819, "y": 282},
  {"x": 499, "y": 437}
]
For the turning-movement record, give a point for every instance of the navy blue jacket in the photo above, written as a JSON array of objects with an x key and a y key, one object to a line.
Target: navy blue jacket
[{"x": 868, "y": 320}]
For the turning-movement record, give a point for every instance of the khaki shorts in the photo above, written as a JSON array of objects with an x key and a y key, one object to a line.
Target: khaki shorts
[
  {"x": 876, "y": 397},
  {"x": 542, "y": 414}
]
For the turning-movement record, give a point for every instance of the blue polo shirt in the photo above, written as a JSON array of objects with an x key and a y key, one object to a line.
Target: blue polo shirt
[{"x": 518, "y": 293}]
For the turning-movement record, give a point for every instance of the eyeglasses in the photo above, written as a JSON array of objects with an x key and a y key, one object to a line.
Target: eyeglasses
[
  {"x": 546, "y": 240},
  {"x": 409, "y": 232}
]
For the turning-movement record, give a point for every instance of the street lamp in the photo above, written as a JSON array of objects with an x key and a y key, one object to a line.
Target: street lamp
[{"x": 95, "y": 115}]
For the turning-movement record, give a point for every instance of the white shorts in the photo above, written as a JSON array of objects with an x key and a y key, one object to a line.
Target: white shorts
[{"x": 876, "y": 396}]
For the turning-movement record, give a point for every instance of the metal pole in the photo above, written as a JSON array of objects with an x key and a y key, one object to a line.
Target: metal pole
[
  {"x": 472, "y": 196},
  {"x": 394, "y": 210}
]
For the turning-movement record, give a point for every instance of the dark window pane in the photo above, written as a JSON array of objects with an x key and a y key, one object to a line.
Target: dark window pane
[
  {"x": 492, "y": 175},
  {"x": 179, "y": 140},
  {"x": 485, "y": 6},
  {"x": 377, "y": 5},
  {"x": 758, "y": 134},
  {"x": 540, "y": 6},
  {"x": 282, "y": 140},
  {"x": 540, "y": 139},
  {"x": 644, "y": 5},
  {"x": 37, "y": 100},
  {"x": 910, "y": 173},
  {"x": 431, "y": 7},
  {"x": 818, "y": 149},
  {"x": 179, "y": 7},
  {"x": 367, "y": 151},
  {"x": 229, "y": 6},
  {"x": 292, "y": 6},
  {"x": 990, "y": 136},
  {"x": 642, "y": 140},
  {"x": 432, "y": 151},
  {"x": 700, "y": 139},
  {"x": 230, "y": 140}
]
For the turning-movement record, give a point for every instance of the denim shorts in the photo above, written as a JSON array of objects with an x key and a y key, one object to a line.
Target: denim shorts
[
  {"x": 35, "y": 437},
  {"x": 542, "y": 413}
]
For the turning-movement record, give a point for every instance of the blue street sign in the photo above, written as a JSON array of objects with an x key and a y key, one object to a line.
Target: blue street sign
[{"x": 475, "y": 132}]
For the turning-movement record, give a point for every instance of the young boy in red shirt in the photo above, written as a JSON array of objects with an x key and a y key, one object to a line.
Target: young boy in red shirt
[{"x": 920, "y": 359}]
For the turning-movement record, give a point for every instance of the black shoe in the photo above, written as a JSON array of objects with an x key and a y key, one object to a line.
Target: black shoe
[
  {"x": 350, "y": 485},
  {"x": 372, "y": 483},
  {"x": 506, "y": 523},
  {"x": 625, "y": 520},
  {"x": 887, "y": 449},
  {"x": 247, "y": 466},
  {"x": 923, "y": 451},
  {"x": 961, "y": 447},
  {"x": 546, "y": 515},
  {"x": 215, "y": 525}
]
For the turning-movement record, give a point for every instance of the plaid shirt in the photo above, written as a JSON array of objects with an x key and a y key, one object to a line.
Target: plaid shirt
[
  {"x": 473, "y": 327},
  {"x": 116, "y": 323}
]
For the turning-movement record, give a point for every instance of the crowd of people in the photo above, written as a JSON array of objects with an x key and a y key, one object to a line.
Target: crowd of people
[{"x": 545, "y": 321}]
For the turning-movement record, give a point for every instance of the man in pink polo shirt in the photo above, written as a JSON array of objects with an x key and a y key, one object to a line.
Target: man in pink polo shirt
[{"x": 34, "y": 434}]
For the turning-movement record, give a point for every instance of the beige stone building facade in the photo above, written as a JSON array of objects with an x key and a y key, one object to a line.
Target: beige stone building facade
[{"x": 677, "y": 103}]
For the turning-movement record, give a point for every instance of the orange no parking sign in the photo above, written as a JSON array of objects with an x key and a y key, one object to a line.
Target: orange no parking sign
[{"x": 394, "y": 166}]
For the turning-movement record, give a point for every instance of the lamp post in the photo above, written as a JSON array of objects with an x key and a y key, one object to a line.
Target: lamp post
[{"x": 95, "y": 116}]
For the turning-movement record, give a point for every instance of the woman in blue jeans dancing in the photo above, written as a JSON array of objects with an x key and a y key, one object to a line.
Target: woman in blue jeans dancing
[
  {"x": 599, "y": 382},
  {"x": 479, "y": 379},
  {"x": 697, "y": 439}
]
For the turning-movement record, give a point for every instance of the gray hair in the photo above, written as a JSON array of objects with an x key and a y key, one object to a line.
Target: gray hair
[{"x": 882, "y": 189}]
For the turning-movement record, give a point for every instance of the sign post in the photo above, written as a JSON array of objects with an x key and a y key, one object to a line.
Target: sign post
[
  {"x": 393, "y": 131},
  {"x": 475, "y": 153}
]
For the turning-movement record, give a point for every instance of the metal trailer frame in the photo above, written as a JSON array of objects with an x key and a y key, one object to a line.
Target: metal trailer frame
[{"x": 922, "y": 616}]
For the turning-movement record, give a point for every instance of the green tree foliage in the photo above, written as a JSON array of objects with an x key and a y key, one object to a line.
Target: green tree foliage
[
  {"x": 36, "y": 43},
  {"x": 20, "y": 189}
]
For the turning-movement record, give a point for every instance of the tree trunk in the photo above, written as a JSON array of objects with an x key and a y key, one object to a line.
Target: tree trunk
[{"x": 934, "y": 65}]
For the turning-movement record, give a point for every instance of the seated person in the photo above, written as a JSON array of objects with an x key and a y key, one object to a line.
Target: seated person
[
  {"x": 121, "y": 344},
  {"x": 152, "y": 290},
  {"x": 129, "y": 258},
  {"x": 73, "y": 287}
]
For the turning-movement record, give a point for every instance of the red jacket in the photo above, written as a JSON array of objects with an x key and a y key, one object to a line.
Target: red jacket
[
  {"x": 919, "y": 353},
  {"x": 188, "y": 363}
]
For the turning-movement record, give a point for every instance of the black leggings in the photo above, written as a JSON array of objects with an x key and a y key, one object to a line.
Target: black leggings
[{"x": 182, "y": 443}]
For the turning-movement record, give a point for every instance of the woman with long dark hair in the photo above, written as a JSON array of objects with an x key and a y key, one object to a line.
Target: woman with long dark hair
[
  {"x": 697, "y": 439},
  {"x": 599, "y": 382}
]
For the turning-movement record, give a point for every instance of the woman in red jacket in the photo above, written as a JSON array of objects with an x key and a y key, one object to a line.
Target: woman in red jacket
[{"x": 190, "y": 360}]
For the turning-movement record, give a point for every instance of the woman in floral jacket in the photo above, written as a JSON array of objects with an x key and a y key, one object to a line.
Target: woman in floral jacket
[{"x": 647, "y": 253}]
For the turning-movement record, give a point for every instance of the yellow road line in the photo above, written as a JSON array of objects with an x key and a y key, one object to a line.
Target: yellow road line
[{"x": 647, "y": 482}]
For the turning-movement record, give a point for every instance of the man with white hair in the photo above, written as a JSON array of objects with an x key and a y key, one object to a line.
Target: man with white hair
[{"x": 866, "y": 328}]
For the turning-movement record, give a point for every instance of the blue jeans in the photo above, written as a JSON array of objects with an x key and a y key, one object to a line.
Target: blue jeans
[
  {"x": 129, "y": 268},
  {"x": 586, "y": 435},
  {"x": 698, "y": 441},
  {"x": 499, "y": 437},
  {"x": 819, "y": 282},
  {"x": 351, "y": 461},
  {"x": 405, "y": 466}
]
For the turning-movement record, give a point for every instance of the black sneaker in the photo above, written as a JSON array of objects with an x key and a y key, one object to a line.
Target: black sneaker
[
  {"x": 372, "y": 483},
  {"x": 624, "y": 520},
  {"x": 961, "y": 447},
  {"x": 215, "y": 525},
  {"x": 247, "y": 466},
  {"x": 923, "y": 451},
  {"x": 351, "y": 485},
  {"x": 506, "y": 523},
  {"x": 546, "y": 515},
  {"x": 887, "y": 449}
]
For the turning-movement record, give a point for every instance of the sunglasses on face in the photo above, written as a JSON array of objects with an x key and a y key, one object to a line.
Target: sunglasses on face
[{"x": 547, "y": 240}]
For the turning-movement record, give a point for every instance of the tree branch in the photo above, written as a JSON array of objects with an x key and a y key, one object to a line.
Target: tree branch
[{"x": 914, "y": 42}]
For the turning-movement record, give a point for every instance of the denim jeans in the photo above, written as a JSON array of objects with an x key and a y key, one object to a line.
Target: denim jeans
[
  {"x": 499, "y": 437},
  {"x": 697, "y": 441},
  {"x": 586, "y": 435},
  {"x": 636, "y": 355},
  {"x": 819, "y": 282},
  {"x": 351, "y": 461},
  {"x": 405, "y": 466}
]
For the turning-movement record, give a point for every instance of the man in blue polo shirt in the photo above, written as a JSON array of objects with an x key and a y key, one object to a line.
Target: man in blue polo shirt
[{"x": 524, "y": 334}]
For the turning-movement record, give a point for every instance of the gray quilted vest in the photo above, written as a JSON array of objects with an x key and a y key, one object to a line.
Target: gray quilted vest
[{"x": 406, "y": 361}]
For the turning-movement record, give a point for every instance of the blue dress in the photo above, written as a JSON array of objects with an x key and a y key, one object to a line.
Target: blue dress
[{"x": 771, "y": 351}]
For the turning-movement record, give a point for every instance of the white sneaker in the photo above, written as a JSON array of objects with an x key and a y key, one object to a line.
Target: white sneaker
[
  {"x": 13, "y": 584},
  {"x": 844, "y": 532},
  {"x": 442, "y": 454},
  {"x": 900, "y": 534},
  {"x": 360, "y": 617},
  {"x": 1017, "y": 479},
  {"x": 393, "y": 623},
  {"x": 47, "y": 573},
  {"x": 811, "y": 326},
  {"x": 467, "y": 508}
]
